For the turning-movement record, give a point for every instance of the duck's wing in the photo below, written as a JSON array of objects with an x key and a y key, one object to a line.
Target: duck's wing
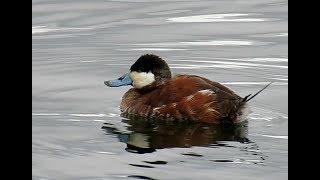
[
  {"x": 214, "y": 85},
  {"x": 226, "y": 101},
  {"x": 195, "y": 97}
]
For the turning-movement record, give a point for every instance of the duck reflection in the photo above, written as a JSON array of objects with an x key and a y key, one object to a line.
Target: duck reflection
[{"x": 145, "y": 136}]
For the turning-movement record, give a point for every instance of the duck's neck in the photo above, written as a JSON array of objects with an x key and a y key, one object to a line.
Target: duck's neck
[{"x": 151, "y": 87}]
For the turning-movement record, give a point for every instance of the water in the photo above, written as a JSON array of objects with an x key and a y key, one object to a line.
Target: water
[{"x": 77, "y": 132}]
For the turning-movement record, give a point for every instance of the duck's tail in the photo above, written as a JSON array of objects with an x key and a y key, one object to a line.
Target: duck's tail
[
  {"x": 249, "y": 97},
  {"x": 244, "y": 110}
]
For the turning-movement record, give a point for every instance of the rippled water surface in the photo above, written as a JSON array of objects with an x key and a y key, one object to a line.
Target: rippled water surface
[{"x": 77, "y": 132}]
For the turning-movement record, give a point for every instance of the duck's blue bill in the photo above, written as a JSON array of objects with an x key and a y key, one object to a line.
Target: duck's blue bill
[{"x": 121, "y": 81}]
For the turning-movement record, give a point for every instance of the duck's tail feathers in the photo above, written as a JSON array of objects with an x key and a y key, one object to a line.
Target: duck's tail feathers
[{"x": 249, "y": 97}]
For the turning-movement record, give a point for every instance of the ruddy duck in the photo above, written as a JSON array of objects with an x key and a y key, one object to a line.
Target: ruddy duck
[{"x": 156, "y": 94}]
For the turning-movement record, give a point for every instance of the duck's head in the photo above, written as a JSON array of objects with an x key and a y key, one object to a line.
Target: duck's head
[{"x": 148, "y": 71}]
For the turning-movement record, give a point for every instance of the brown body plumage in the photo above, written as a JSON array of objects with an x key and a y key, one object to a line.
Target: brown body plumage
[{"x": 184, "y": 97}]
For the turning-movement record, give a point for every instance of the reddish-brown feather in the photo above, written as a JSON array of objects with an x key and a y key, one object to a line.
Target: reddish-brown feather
[{"x": 183, "y": 97}]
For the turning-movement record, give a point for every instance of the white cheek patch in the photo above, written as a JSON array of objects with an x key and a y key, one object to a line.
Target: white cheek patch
[{"x": 141, "y": 79}]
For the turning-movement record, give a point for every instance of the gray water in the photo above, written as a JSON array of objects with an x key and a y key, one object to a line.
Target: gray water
[{"x": 77, "y": 132}]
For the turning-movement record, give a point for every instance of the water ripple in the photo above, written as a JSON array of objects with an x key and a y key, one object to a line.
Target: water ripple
[
  {"x": 231, "y": 17},
  {"x": 233, "y": 64},
  {"x": 276, "y": 137},
  {"x": 45, "y": 29},
  {"x": 202, "y": 43},
  {"x": 271, "y": 136},
  {"x": 254, "y": 83},
  {"x": 76, "y": 115},
  {"x": 156, "y": 49}
]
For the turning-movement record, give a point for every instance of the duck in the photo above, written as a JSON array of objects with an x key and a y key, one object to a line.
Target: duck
[{"x": 157, "y": 94}]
